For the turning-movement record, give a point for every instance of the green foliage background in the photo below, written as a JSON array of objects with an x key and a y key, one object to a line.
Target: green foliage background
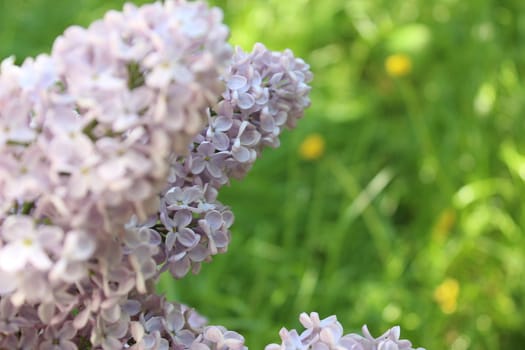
[{"x": 422, "y": 179}]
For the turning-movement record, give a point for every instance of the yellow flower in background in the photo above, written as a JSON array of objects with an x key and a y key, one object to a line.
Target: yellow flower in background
[
  {"x": 398, "y": 65},
  {"x": 312, "y": 147},
  {"x": 446, "y": 295}
]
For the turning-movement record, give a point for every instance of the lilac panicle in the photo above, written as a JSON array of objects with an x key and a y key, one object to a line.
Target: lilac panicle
[
  {"x": 266, "y": 92},
  {"x": 85, "y": 137},
  {"x": 139, "y": 322}
]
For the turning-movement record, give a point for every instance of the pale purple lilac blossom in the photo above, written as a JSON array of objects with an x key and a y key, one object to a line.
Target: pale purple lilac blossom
[
  {"x": 87, "y": 132},
  {"x": 265, "y": 92},
  {"x": 88, "y": 136},
  {"x": 327, "y": 334}
]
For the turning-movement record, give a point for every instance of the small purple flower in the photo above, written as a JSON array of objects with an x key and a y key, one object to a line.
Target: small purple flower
[
  {"x": 181, "y": 233},
  {"x": 214, "y": 228},
  {"x": 206, "y": 158},
  {"x": 26, "y": 244}
]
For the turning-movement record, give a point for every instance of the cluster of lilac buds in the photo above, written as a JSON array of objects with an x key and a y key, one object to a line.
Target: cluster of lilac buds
[{"x": 112, "y": 151}]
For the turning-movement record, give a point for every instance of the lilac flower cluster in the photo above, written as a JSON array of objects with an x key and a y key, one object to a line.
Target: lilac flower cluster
[
  {"x": 87, "y": 134},
  {"x": 265, "y": 92},
  {"x": 327, "y": 334},
  {"x": 112, "y": 151}
]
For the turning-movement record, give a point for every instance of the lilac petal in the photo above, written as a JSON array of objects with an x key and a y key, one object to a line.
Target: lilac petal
[
  {"x": 170, "y": 240},
  {"x": 215, "y": 168},
  {"x": 206, "y": 148},
  {"x": 198, "y": 253},
  {"x": 320, "y": 346},
  {"x": 267, "y": 122},
  {"x": 182, "y": 218},
  {"x": 131, "y": 307},
  {"x": 213, "y": 334},
  {"x": 110, "y": 343},
  {"x": 236, "y": 82},
  {"x": 180, "y": 268},
  {"x": 111, "y": 170},
  {"x": 175, "y": 321},
  {"x": 233, "y": 340},
  {"x": 166, "y": 220},
  {"x": 246, "y": 101},
  {"x": 154, "y": 237},
  {"x": 7, "y": 309},
  {"x": 281, "y": 118},
  {"x": 28, "y": 338},
  {"x": 329, "y": 321},
  {"x": 177, "y": 257},
  {"x": 78, "y": 246},
  {"x": 221, "y": 141},
  {"x": 256, "y": 78},
  {"x": 13, "y": 257},
  {"x": 187, "y": 238},
  {"x": 111, "y": 314},
  {"x": 228, "y": 218},
  {"x": 137, "y": 331},
  {"x": 185, "y": 336},
  {"x": 394, "y": 332},
  {"x": 149, "y": 341},
  {"x": 214, "y": 219},
  {"x": 367, "y": 333},
  {"x": 327, "y": 336},
  {"x": 388, "y": 345},
  {"x": 82, "y": 318},
  {"x": 273, "y": 347},
  {"x": 40, "y": 260},
  {"x": 192, "y": 194},
  {"x": 163, "y": 344},
  {"x": 50, "y": 235},
  {"x": 221, "y": 239},
  {"x": 173, "y": 195},
  {"x": 276, "y": 78},
  {"x": 222, "y": 123},
  {"x": 241, "y": 154},
  {"x": 263, "y": 97},
  {"x": 71, "y": 271},
  {"x": 46, "y": 312},
  {"x": 67, "y": 331},
  {"x": 117, "y": 329},
  {"x": 198, "y": 164},
  {"x": 199, "y": 346},
  {"x": 17, "y": 226},
  {"x": 250, "y": 138},
  {"x": 305, "y": 320}
]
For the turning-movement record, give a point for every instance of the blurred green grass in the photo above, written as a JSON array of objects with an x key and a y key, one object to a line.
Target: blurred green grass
[{"x": 421, "y": 183}]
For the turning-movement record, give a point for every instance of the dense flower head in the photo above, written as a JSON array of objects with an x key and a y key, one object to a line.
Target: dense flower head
[
  {"x": 87, "y": 133},
  {"x": 194, "y": 225}
]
